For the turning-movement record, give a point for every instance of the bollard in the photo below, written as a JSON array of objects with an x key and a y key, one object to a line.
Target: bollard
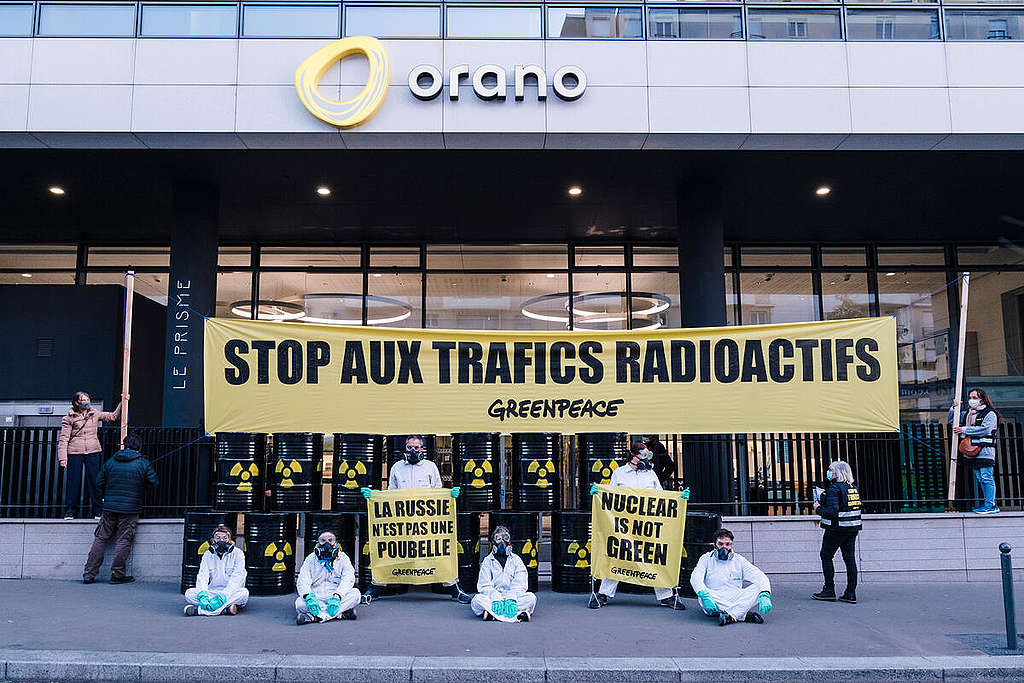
[{"x": 1008, "y": 607}]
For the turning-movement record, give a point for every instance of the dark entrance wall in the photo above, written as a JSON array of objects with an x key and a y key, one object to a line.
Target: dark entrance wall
[{"x": 85, "y": 325}]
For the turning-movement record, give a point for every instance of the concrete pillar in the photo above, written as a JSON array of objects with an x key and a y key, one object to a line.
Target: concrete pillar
[
  {"x": 191, "y": 294},
  {"x": 707, "y": 465}
]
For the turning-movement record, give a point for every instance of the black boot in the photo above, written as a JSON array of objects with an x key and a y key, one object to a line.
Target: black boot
[
  {"x": 349, "y": 614},
  {"x": 754, "y": 618},
  {"x": 458, "y": 594},
  {"x": 827, "y": 593},
  {"x": 849, "y": 596},
  {"x": 724, "y": 619},
  {"x": 597, "y": 600}
]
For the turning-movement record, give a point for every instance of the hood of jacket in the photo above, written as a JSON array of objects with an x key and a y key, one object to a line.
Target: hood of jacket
[{"x": 127, "y": 455}]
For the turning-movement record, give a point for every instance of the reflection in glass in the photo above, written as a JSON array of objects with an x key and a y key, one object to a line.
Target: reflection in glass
[
  {"x": 150, "y": 285},
  {"x": 595, "y": 22},
  {"x": 87, "y": 20},
  {"x": 130, "y": 256},
  {"x": 845, "y": 295},
  {"x": 394, "y": 257},
  {"x": 775, "y": 256},
  {"x": 53, "y": 278},
  {"x": 16, "y": 20},
  {"x": 984, "y": 254},
  {"x": 232, "y": 288},
  {"x": 793, "y": 24},
  {"x": 234, "y": 256},
  {"x": 992, "y": 24},
  {"x": 496, "y": 302},
  {"x": 510, "y": 257},
  {"x": 494, "y": 22},
  {"x": 385, "y": 288},
  {"x": 892, "y": 24},
  {"x": 205, "y": 21},
  {"x": 777, "y": 298},
  {"x": 324, "y": 298},
  {"x": 995, "y": 330},
  {"x": 843, "y": 256},
  {"x": 329, "y": 257},
  {"x": 393, "y": 22},
  {"x": 290, "y": 21},
  {"x": 730, "y": 301},
  {"x": 600, "y": 302},
  {"x": 600, "y": 256},
  {"x": 659, "y": 284},
  {"x": 656, "y": 256},
  {"x": 695, "y": 23},
  {"x": 911, "y": 256},
  {"x": 29, "y": 256}
]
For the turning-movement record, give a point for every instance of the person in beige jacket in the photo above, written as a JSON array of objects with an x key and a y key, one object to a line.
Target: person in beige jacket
[{"x": 78, "y": 447}]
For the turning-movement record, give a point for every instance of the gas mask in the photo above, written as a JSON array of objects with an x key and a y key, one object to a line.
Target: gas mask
[
  {"x": 645, "y": 461},
  {"x": 413, "y": 456},
  {"x": 724, "y": 554},
  {"x": 502, "y": 538},
  {"x": 326, "y": 551},
  {"x": 222, "y": 548}
]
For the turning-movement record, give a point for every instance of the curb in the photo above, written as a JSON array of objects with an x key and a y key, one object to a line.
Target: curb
[{"x": 185, "y": 666}]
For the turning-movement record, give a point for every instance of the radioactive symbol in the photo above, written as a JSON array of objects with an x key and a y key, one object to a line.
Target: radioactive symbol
[
  {"x": 286, "y": 472},
  {"x": 278, "y": 555},
  {"x": 244, "y": 475},
  {"x": 540, "y": 473},
  {"x": 605, "y": 471},
  {"x": 203, "y": 548},
  {"x": 582, "y": 553},
  {"x": 478, "y": 472},
  {"x": 351, "y": 473},
  {"x": 529, "y": 551}
]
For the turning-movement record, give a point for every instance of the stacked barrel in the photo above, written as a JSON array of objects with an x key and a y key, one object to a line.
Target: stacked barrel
[
  {"x": 358, "y": 462},
  {"x": 270, "y": 553},
  {"x": 295, "y": 472},
  {"x": 536, "y": 471},
  {"x": 476, "y": 468},
  {"x": 239, "y": 466},
  {"x": 598, "y": 455},
  {"x": 698, "y": 539},
  {"x": 570, "y": 551}
]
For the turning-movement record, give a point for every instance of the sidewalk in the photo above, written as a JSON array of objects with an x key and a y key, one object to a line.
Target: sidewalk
[{"x": 137, "y": 631}]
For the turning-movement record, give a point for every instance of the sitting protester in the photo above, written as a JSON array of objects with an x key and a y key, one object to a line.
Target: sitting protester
[
  {"x": 220, "y": 584},
  {"x": 729, "y": 587},
  {"x": 503, "y": 583},
  {"x": 326, "y": 584}
]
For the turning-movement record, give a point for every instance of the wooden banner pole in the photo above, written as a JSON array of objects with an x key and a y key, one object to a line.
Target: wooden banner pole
[
  {"x": 958, "y": 390},
  {"x": 129, "y": 286}
]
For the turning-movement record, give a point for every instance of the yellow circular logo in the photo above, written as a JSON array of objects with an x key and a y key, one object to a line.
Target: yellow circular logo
[
  {"x": 478, "y": 472},
  {"x": 344, "y": 113},
  {"x": 278, "y": 555},
  {"x": 245, "y": 476}
]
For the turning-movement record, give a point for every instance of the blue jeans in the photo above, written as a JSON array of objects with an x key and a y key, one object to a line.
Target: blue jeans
[
  {"x": 91, "y": 463},
  {"x": 984, "y": 477}
]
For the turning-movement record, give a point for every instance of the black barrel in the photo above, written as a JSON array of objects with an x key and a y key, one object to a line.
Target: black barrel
[
  {"x": 343, "y": 524},
  {"x": 295, "y": 472},
  {"x": 524, "y": 528},
  {"x": 698, "y": 539},
  {"x": 199, "y": 526},
  {"x": 270, "y": 553},
  {"x": 239, "y": 467},
  {"x": 476, "y": 468},
  {"x": 570, "y": 551},
  {"x": 598, "y": 455},
  {"x": 536, "y": 471},
  {"x": 357, "y": 463},
  {"x": 468, "y": 535}
]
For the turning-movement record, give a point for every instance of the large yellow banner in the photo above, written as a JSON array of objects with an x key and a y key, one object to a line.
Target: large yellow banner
[
  {"x": 836, "y": 376},
  {"x": 412, "y": 536},
  {"x": 637, "y": 535}
]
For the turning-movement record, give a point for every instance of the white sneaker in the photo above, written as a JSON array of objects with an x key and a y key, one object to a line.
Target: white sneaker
[{"x": 69, "y": 517}]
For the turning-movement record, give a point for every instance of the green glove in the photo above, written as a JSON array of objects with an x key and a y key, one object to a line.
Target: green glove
[
  {"x": 366, "y": 492},
  {"x": 685, "y": 495},
  {"x": 497, "y": 606},
  {"x": 593, "y": 489},
  {"x": 456, "y": 491},
  {"x": 511, "y": 609},
  {"x": 764, "y": 601},
  {"x": 709, "y": 604},
  {"x": 204, "y": 600},
  {"x": 333, "y": 605},
  {"x": 312, "y": 604},
  {"x": 218, "y": 600}
]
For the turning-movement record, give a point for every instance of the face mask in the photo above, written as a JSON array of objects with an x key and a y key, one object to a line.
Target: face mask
[
  {"x": 644, "y": 465},
  {"x": 84, "y": 405},
  {"x": 501, "y": 549},
  {"x": 974, "y": 403},
  {"x": 222, "y": 547},
  {"x": 326, "y": 551},
  {"x": 828, "y": 475},
  {"x": 412, "y": 457},
  {"x": 724, "y": 554}
]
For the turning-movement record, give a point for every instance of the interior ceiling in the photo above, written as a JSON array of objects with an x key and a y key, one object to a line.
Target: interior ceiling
[{"x": 506, "y": 196}]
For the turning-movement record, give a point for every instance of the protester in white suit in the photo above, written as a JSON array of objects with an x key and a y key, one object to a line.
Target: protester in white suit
[
  {"x": 730, "y": 587},
  {"x": 503, "y": 583},
  {"x": 326, "y": 584},
  {"x": 220, "y": 584}
]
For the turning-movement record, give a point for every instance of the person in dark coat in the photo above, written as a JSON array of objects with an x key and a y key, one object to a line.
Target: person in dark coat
[{"x": 122, "y": 481}]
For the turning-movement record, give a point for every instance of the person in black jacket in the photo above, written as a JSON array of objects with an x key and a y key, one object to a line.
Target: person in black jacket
[
  {"x": 839, "y": 508},
  {"x": 122, "y": 481}
]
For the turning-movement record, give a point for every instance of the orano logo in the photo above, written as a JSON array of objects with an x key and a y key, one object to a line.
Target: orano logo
[{"x": 346, "y": 113}]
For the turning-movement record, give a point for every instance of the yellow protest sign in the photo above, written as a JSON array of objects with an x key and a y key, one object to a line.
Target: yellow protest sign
[
  {"x": 637, "y": 535},
  {"x": 834, "y": 376},
  {"x": 412, "y": 536}
]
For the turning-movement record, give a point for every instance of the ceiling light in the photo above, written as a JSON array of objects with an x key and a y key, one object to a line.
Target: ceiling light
[
  {"x": 550, "y": 276},
  {"x": 889, "y": 274},
  {"x": 26, "y": 274},
  {"x": 823, "y": 191},
  {"x": 57, "y": 190},
  {"x": 575, "y": 191},
  {"x": 377, "y": 275},
  {"x": 323, "y": 191}
]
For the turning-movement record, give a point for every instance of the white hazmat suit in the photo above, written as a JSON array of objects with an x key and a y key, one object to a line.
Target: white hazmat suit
[
  {"x": 503, "y": 583},
  {"x": 315, "y": 578},
  {"x": 733, "y": 584},
  {"x": 220, "y": 574}
]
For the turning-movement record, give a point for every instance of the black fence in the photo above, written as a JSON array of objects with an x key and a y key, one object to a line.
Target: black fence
[{"x": 768, "y": 474}]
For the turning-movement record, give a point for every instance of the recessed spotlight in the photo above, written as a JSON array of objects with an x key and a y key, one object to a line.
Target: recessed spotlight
[
  {"x": 377, "y": 275},
  {"x": 57, "y": 190},
  {"x": 575, "y": 191},
  {"x": 550, "y": 276},
  {"x": 889, "y": 274},
  {"x": 26, "y": 274},
  {"x": 323, "y": 191},
  {"x": 823, "y": 191}
]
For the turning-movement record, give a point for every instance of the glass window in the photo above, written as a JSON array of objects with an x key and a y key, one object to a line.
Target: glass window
[
  {"x": 600, "y": 256},
  {"x": 989, "y": 255},
  {"x": 44, "y": 278},
  {"x": 394, "y": 257},
  {"x": 494, "y": 22},
  {"x": 290, "y": 21},
  {"x": 207, "y": 21},
  {"x": 150, "y": 285},
  {"x": 730, "y": 301},
  {"x": 327, "y": 257},
  {"x": 694, "y": 23},
  {"x": 30, "y": 256},
  {"x": 775, "y": 256},
  {"x": 16, "y": 20},
  {"x": 994, "y": 346},
  {"x": 845, "y": 295},
  {"x": 892, "y": 24},
  {"x": 234, "y": 295},
  {"x": 963, "y": 24},
  {"x": 911, "y": 256},
  {"x": 777, "y": 298},
  {"x": 793, "y": 24},
  {"x": 510, "y": 257},
  {"x": 394, "y": 299},
  {"x": 655, "y": 300},
  {"x": 656, "y": 256},
  {"x": 843, "y": 256},
  {"x": 599, "y": 302},
  {"x": 393, "y": 22},
  {"x": 727, "y": 256},
  {"x": 322, "y": 298},
  {"x": 595, "y": 22},
  {"x": 234, "y": 256},
  {"x": 516, "y": 301},
  {"x": 122, "y": 257},
  {"x": 87, "y": 20}
]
